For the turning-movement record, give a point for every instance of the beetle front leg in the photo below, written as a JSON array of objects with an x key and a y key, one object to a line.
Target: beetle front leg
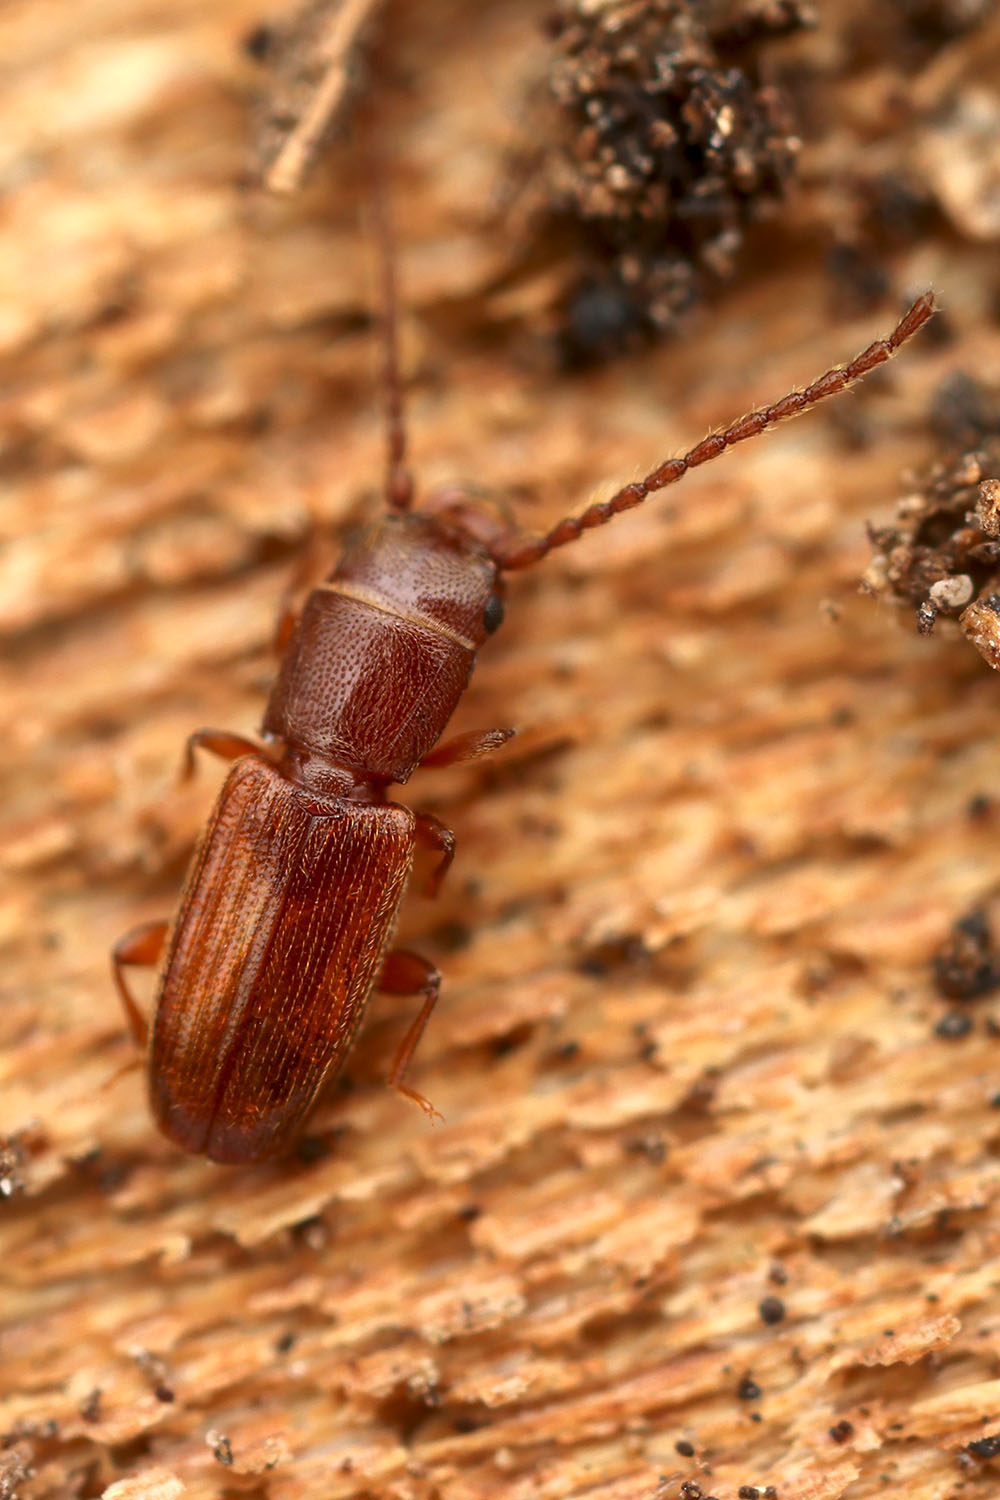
[
  {"x": 311, "y": 565},
  {"x": 468, "y": 747},
  {"x": 433, "y": 834},
  {"x": 405, "y": 973},
  {"x": 220, "y": 742},
  {"x": 142, "y": 946}
]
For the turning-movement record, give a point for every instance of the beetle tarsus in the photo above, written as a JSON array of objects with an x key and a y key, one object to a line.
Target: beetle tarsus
[{"x": 406, "y": 973}]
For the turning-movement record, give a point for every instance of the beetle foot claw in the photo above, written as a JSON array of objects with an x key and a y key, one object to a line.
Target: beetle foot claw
[{"x": 425, "y": 1104}]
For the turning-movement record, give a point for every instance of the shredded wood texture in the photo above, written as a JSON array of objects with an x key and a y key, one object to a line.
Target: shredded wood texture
[{"x": 686, "y": 1050}]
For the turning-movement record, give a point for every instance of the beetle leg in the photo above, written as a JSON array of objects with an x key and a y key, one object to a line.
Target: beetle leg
[
  {"x": 142, "y": 946},
  {"x": 432, "y": 833},
  {"x": 405, "y": 973},
  {"x": 468, "y": 746},
  {"x": 220, "y": 742},
  {"x": 309, "y": 567}
]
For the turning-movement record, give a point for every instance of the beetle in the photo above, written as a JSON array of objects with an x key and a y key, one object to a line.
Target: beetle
[{"x": 285, "y": 923}]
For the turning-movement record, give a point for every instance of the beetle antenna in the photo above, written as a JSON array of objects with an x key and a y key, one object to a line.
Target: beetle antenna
[
  {"x": 399, "y": 480},
  {"x": 526, "y": 550}
]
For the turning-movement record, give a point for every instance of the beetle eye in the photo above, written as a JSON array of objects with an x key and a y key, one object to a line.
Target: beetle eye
[{"x": 493, "y": 618}]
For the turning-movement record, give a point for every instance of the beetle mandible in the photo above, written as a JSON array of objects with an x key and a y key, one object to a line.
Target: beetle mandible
[{"x": 284, "y": 927}]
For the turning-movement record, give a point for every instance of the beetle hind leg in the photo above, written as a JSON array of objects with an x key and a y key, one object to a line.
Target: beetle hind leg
[
  {"x": 405, "y": 973},
  {"x": 142, "y": 947}
]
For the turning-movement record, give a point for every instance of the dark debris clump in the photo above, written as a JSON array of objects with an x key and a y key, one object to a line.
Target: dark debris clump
[
  {"x": 673, "y": 141},
  {"x": 967, "y": 966},
  {"x": 941, "y": 553}
]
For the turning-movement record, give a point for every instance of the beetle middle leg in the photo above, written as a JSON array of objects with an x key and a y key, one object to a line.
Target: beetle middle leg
[
  {"x": 220, "y": 742},
  {"x": 433, "y": 834},
  {"x": 405, "y": 973},
  {"x": 142, "y": 947}
]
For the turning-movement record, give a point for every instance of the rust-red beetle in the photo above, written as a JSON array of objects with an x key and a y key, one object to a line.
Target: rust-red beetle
[{"x": 285, "y": 924}]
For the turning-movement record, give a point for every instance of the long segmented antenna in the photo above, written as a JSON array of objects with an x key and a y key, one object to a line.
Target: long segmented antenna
[
  {"x": 399, "y": 480},
  {"x": 531, "y": 549}
]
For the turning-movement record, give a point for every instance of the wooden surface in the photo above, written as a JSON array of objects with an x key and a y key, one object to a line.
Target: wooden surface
[{"x": 688, "y": 1050}]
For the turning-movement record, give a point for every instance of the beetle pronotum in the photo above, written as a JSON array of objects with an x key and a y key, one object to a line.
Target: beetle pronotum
[{"x": 284, "y": 928}]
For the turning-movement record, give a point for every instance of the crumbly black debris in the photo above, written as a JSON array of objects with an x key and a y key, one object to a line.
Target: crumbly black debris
[
  {"x": 940, "y": 555},
  {"x": 671, "y": 140},
  {"x": 967, "y": 966},
  {"x": 987, "y": 1447}
]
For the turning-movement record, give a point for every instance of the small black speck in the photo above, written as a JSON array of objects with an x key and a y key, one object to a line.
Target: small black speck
[
  {"x": 654, "y": 1147},
  {"x": 987, "y": 1447},
  {"x": 979, "y": 807},
  {"x": 995, "y": 1102},
  {"x": 953, "y": 1026},
  {"x": 259, "y": 43},
  {"x": 310, "y": 1233},
  {"x": 311, "y": 1149},
  {"x": 469, "y": 1212},
  {"x": 90, "y": 1406},
  {"x": 777, "y": 1274},
  {"x": 285, "y": 1341},
  {"x": 756, "y": 1416},
  {"x": 503, "y": 1046},
  {"x": 748, "y": 1389},
  {"x": 222, "y": 1450},
  {"x": 466, "y": 1424},
  {"x": 748, "y": 1492},
  {"x": 452, "y": 936},
  {"x": 684, "y": 1448},
  {"x": 926, "y": 616},
  {"x": 163, "y": 1393},
  {"x": 771, "y": 1309},
  {"x": 842, "y": 1430}
]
